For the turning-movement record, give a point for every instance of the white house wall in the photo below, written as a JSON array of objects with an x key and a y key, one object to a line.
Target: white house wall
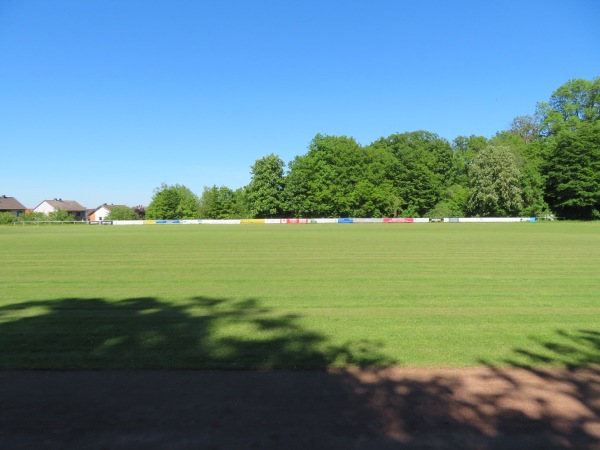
[
  {"x": 101, "y": 213},
  {"x": 45, "y": 208}
]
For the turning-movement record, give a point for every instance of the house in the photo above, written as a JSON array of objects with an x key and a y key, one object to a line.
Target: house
[
  {"x": 70, "y": 206},
  {"x": 11, "y": 205},
  {"x": 102, "y": 211}
]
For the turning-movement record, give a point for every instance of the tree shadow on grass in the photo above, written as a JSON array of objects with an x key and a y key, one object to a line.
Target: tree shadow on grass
[
  {"x": 147, "y": 333},
  {"x": 568, "y": 349},
  {"x": 544, "y": 397}
]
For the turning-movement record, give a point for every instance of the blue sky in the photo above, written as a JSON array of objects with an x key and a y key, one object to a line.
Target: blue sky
[{"x": 103, "y": 100}]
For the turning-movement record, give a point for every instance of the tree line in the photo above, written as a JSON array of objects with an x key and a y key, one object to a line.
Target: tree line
[
  {"x": 543, "y": 164},
  {"x": 546, "y": 163}
]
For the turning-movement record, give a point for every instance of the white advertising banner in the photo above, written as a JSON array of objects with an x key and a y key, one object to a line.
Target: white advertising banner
[
  {"x": 220, "y": 222},
  {"x": 128, "y": 222},
  {"x": 323, "y": 220},
  {"x": 493, "y": 219},
  {"x": 378, "y": 220}
]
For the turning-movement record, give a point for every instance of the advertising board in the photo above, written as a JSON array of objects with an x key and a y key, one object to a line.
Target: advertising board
[
  {"x": 365, "y": 220},
  {"x": 293, "y": 221},
  {"x": 398, "y": 220},
  {"x": 220, "y": 222},
  {"x": 323, "y": 220},
  {"x": 128, "y": 222}
]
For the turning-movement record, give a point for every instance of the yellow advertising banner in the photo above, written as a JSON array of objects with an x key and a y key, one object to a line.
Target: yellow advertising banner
[{"x": 250, "y": 221}]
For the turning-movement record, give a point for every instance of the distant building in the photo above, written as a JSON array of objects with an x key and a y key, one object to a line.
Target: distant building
[
  {"x": 102, "y": 211},
  {"x": 11, "y": 205},
  {"x": 58, "y": 204}
]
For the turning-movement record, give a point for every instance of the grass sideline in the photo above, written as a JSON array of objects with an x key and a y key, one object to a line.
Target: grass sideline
[{"x": 300, "y": 296}]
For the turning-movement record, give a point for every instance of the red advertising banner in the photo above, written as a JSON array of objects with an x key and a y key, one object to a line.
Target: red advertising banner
[
  {"x": 293, "y": 221},
  {"x": 399, "y": 220}
]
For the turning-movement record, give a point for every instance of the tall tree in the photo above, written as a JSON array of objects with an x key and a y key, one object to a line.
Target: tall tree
[
  {"x": 574, "y": 102},
  {"x": 421, "y": 171},
  {"x": 464, "y": 151},
  {"x": 173, "y": 202},
  {"x": 495, "y": 183},
  {"x": 240, "y": 204},
  {"x": 532, "y": 190},
  {"x": 529, "y": 158},
  {"x": 265, "y": 191},
  {"x": 340, "y": 178},
  {"x": 525, "y": 127},
  {"x": 319, "y": 181},
  {"x": 219, "y": 203},
  {"x": 573, "y": 173},
  {"x": 298, "y": 194}
]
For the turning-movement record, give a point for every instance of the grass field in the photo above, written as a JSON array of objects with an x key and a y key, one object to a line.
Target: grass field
[{"x": 300, "y": 296}]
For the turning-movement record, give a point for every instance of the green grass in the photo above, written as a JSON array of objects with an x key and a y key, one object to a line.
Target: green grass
[{"x": 262, "y": 296}]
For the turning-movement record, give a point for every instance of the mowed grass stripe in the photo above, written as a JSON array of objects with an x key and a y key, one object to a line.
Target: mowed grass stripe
[{"x": 299, "y": 296}]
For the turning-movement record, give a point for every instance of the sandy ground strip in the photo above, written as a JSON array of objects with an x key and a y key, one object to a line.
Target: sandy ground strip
[{"x": 473, "y": 408}]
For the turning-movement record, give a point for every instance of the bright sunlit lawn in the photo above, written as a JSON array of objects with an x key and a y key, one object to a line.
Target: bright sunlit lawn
[{"x": 299, "y": 296}]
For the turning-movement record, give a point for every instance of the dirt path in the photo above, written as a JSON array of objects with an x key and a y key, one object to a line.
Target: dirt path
[{"x": 477, "y": 408}]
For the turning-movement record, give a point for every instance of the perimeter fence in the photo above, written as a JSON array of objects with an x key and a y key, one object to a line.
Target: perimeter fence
[{"x": 341, "y": 220}]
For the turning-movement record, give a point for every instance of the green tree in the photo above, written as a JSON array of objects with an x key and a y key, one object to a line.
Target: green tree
[
  {"x": 421, "y": 171},
  {"x": 60, "y": 215},
  {"x": 532, "y": 190},
  {"x": 298, "y": 193},
  {"x": 464, "y": 150},
  {"x": 453, "y": 204},
  {"x": 403, "y": 174},
  {"x": 189, "y": 204},
  {"x": 529, "y": 157},
  {"x": 220, "y": 203},
  {"x": 122, "y": 213},
  {"x": 265, "y": 191},
  {"x": 240, "y": 204},
  {"x": 210, "y": 206},
  {"x": 7, "y": 218},
  {"x": 31, "y": 216},
  {"x": 573, "y": 173},
  {"x": 173, "y": 202},
  {"x": 574, "y": 102},
  {"x": 339, "y": 178},
  {"x": 495, "y": 183}
]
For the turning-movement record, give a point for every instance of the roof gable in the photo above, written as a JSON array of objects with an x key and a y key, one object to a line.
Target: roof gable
[
  {"x": 65, "y": 205},
  {"x": 108, "y": 207},
  {"x": 10, "y": 204}
]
